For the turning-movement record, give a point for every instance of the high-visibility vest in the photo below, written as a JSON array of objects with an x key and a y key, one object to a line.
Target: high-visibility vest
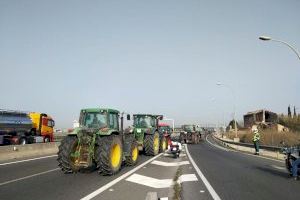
[{"x": 256, "y": 137}]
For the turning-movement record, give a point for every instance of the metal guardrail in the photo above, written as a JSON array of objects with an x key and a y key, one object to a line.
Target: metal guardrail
[{"x": 266, "y": 147}]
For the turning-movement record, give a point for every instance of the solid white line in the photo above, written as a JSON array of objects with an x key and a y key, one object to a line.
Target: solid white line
[
  {"x": 170, "y": 164},
  {"x": 164, "y": 198},
  {"x": 20, "y": 161},
  {"x": 26, "y": 177},
  {"x": 217, "y": 146},
  {"x": 108, "y": 185},
  {"x": 211, "y": 190}
]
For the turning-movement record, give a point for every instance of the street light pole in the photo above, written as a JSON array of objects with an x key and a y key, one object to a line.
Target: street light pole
[
  {"x": 234, "y": 104},
  {"x": 267, "y": 38}
]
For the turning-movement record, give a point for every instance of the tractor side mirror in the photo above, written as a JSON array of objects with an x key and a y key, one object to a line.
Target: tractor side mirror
[{"x": 128, "y": 117}]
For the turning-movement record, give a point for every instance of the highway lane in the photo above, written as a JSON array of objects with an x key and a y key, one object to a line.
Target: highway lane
[
  {"x": 236, "y": 175},
  {"x": 52, "y": 184}
]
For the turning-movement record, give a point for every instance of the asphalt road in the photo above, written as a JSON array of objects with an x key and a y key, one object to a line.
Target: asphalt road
[
  {"x": 231, "y": 175},
  {"x": 235, "y": 175}
]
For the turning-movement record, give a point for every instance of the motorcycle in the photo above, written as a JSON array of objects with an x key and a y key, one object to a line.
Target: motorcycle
[
  {"x": 290, "y": 156},
  {"x": 175, "y": 148}
]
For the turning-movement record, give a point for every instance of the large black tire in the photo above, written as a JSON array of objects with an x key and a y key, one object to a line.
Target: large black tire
[
  {"x": 109, "y": 153},
  {"x": 132, "y": 158},
  {"x": 163, "y": 144},
  {"x": 66, "y": 147},
  {"x": 151, "y": 144}
]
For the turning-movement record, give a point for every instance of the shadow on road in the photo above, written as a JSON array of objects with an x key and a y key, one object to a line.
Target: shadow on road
[{"x": 276, "y": 172}]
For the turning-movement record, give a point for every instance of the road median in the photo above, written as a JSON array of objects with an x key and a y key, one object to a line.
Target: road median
[{"x": 13, "y": 152}]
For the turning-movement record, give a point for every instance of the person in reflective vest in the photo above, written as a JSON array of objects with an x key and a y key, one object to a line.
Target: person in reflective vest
[{"x": 256, "y": 138}]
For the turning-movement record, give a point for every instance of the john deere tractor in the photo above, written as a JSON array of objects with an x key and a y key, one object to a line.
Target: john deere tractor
[
  {"x": 98, "y": 142},
  {"x": 147, "y": 133}
]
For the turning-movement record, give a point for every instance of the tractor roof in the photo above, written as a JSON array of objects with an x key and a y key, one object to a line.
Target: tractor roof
[
  {"x": 163, "y": 124},
  {"x": 100, "y": 110},
  {"x": 151, "y": 115}
]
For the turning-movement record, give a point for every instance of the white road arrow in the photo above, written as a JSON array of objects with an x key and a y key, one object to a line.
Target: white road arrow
[{"x": 159, "y": 183}]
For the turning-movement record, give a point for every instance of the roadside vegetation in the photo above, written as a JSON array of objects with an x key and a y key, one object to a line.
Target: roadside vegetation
[{"x": 269, "y": 137}]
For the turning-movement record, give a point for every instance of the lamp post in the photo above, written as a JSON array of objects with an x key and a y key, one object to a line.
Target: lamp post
[
  {"x": 234, "y": 106},
  {"x": 267, "y": 38}
]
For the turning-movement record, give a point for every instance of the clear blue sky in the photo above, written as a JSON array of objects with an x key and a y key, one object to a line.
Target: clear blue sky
[{"x": 160, "y": 56}]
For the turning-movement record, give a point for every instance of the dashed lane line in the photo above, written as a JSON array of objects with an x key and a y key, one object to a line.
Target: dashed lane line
[
  {"x": 26, "y": 177},
  {"x": 27, "y": 160}
]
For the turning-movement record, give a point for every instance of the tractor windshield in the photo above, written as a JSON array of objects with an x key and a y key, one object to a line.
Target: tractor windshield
[
  {"x": 188, "y": 128},
  {"x": 95, "y": 120},
  {"x": 143, "y": 121}
]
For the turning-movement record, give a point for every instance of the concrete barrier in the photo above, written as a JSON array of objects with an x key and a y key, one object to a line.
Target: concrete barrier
[
  {"x": 262, "y": 152},
  {"x": 12, "y": 152}
]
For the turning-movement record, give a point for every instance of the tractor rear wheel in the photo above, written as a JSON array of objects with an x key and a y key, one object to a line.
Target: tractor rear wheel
[
  {"x": 151, "y": 143},
  {"x": 132, "y": 158},
  {"x": 163, "y": 144},
  {"x": 109, "y": 154},
  {"x": 67, "y": 146}
]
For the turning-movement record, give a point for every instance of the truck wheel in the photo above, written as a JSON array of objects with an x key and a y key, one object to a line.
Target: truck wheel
[
  {"x": 134, "y": 154},
  {"x": 163, "y": 144},
  {"x": 109, "y": 153},
  {"x": 47, "y": 139},
  {"x": 152, "y": 144},
  {"x": 22, "y": 141},
  {"x": 65, "y": 158}
]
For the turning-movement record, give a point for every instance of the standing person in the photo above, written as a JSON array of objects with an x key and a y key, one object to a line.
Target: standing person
[
  {"x": 256, "y": 138},
  {"x": 296, "y": 164}
]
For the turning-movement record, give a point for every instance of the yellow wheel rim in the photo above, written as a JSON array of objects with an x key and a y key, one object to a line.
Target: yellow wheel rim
[
  {"x": 115, "y": 155},
  {"x": 164, "y": 146},
  {"x": 135, "y": 152},
  {"x": 156, "y": 143}
]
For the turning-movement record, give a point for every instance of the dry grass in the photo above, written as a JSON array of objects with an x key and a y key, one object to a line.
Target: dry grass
[{"x": 269, "y": 137}]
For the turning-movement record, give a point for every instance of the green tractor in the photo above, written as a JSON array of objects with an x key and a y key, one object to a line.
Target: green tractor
[
  {"x": 98, "y": 142},
  {"x": 146, "y": 130},
  {"x": 190, "y": 134}
]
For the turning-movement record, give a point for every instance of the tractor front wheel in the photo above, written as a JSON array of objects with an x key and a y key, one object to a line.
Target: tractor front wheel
[
  {"x": 152, "y": 144},
  {"x": 109, "y": 153},
  {"x": 163, "y": 144},
  {"x": 132, "y": 158}
]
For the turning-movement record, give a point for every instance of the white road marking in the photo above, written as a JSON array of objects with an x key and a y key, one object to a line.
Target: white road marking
[
  {"x": 211, "y": 190},
  {"x": 202, "y": 191},
  {"x": 187, "y": 177},
  {"x": 26, "y": 177},
  {"x": 170, "y": 164},
  {"x": 110, "y": 184},
  {"x": 171, "y": 155},
  {"x": 150, "y": 182},
  {"x": 163, "y": 198},
  {"x": 159, "y": 183},
  {"x": 20, "y": 161}
]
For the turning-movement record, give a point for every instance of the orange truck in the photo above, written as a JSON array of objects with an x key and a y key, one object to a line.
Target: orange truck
[
  {"x": 42, "y": 125},
  {"x": 21, "y": 128}
]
